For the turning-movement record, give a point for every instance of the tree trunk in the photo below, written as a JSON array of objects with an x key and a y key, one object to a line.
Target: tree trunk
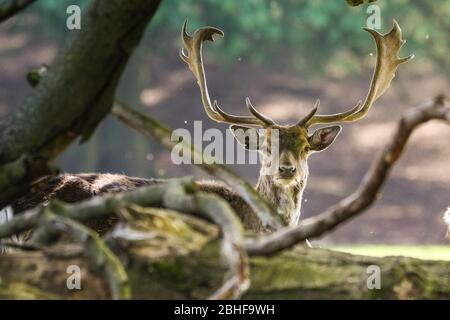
[{"x": 74, "y": 94}]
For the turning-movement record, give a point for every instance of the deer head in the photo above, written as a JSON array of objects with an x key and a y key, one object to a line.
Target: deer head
[{"x": 284, "y": 187}]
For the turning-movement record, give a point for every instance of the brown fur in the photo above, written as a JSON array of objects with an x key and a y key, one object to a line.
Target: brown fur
[{"x": 72, "y": 188}]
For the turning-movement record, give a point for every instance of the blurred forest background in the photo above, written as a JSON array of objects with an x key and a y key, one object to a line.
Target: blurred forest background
[{"x": 284, "y": 55}]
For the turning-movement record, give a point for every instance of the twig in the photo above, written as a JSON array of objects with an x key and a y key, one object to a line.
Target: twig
[
  {"x": 150, "y": 127},
  {"x": 57, "y": 218},
  {"x": 172, "y": 195},
  {"x": 367, "y": 192},
  {"x": 96, "y": 207},
  {"x": 9, "y": 8}
]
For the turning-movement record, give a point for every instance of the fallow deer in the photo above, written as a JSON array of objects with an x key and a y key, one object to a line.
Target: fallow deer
[{"x": 282, "y": 189}]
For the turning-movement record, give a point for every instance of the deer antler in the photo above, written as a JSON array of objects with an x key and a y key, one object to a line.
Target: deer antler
[
  {"x": 388, "y": 47},
  {"x": 193, "y": 58}
]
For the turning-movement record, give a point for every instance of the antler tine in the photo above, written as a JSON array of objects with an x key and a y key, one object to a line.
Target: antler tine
[
  {"x": 308, "y": 117},
  {"x": 238, "y": 119},
  {"x": 388, "y": 47},
  {"x": 265, "y": 119},
  {"x": 193, "y": 58}
]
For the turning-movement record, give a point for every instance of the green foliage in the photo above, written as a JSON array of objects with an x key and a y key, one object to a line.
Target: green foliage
[
  {"x": 48, "y": 18},
  {"x": 308, "y": 35}
]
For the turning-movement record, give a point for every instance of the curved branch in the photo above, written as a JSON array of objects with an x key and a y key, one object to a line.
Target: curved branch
[
  {"x": 174, "y": 194},
  {"x": 367, "y": 192},
  {"x": 214, "y": 208},
  {"x": 150, "y": 127},
  {"x": 93, "y": 208}
]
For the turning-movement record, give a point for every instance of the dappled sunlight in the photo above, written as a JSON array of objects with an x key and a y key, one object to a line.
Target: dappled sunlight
[
  {"x": 430, "y": 159},
  {"x": 13, "y": 42},
  {"x": 330, "y": 185},
  {"x": 151, "y": 97},
  {"x": 304, "y": 152},
  {"x": 434, "y": 170},
  {"x": 373, "y": 136},
  {"x": 393, "y": 213},
  {"x": 418, "y": 182},
  {"x": 285, "y": 109},
  {"x": 20, "y": 62}
]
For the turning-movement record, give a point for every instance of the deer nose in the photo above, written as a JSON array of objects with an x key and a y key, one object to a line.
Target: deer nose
[{"x": 286, "y": 170}]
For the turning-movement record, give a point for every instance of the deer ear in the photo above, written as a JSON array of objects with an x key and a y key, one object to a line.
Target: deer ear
[
  {"x": 322, "y": 138},
  {"x": 247, "y": 137}
]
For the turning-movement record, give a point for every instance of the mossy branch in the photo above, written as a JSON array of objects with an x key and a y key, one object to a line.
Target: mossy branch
[
  {"x": 366, "y": 193},
  {"x": 150, "y": 127},
  {"x": 178, "y": 194}
]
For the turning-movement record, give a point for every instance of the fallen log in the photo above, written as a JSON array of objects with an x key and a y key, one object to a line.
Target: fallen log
[{"x": 169, "y": 255}]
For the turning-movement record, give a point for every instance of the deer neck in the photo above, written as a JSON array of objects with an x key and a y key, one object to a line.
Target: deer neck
[{"x": 287, "y": 199}]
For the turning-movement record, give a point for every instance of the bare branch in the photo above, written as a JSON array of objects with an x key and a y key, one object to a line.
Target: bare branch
[
  {"x": 367, "y": 192},
  {"x": 151, "y": 127},
  {"x": 54, "y": 219},
  {"x": 96, "y": 207},
  {"x": 172, "y": 195},
  {"x": 9, "y": 8}
]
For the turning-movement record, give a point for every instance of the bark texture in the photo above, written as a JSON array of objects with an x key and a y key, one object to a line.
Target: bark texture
[
  {"x": 74, "y": 94},
  {"x": 182, "y": 260}
]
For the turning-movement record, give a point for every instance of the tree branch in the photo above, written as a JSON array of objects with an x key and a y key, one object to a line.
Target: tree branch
[
  {"x": 9, "y": 8},
  {"x": 77, "y": 90},
  {"x": 97, "y": 207},
  {"x": 150, "y": 127},
  {"x": 219, "y": 211},
  {"x": 177, "y": 194},
  {"x": 95, "y": 249},
  {"x": 367, "y": 192},
  {"x": 179, "y": 258}
]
